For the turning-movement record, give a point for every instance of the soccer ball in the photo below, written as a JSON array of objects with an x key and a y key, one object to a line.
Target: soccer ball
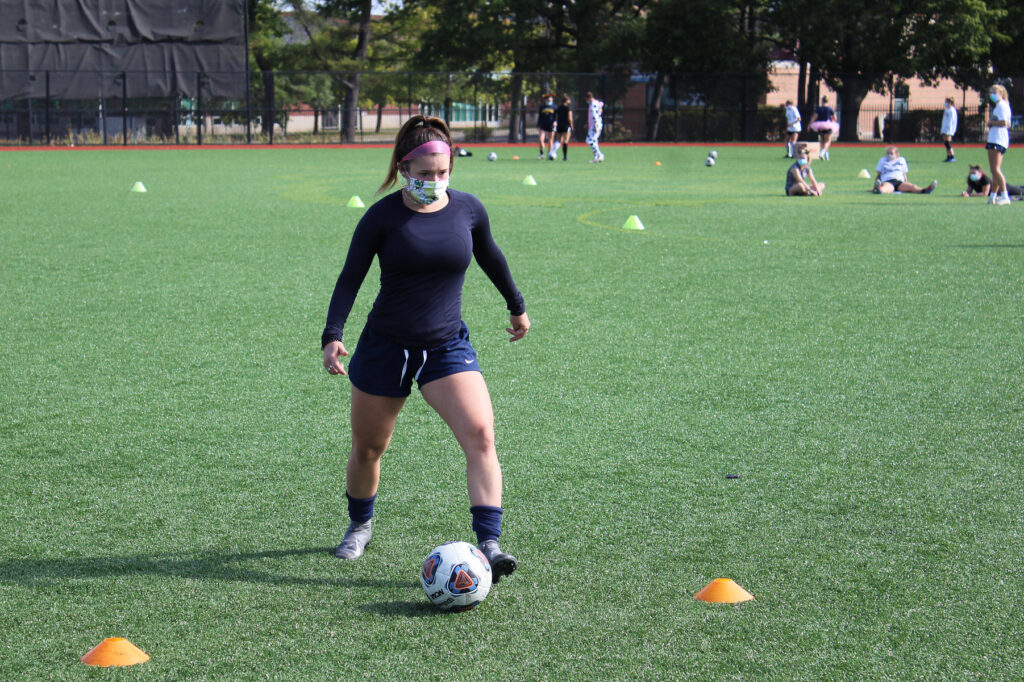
[
  {"x": 710, "y": 161},
  {"x": 456, "y": 576},
  {"x": 492, "y": 157},
  {"x": 713, "y": 154}
]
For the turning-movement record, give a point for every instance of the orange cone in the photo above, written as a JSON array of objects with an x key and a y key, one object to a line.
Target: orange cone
[
  {"x": 115, "y": 651},
  {"x": 724, "y": 591}
]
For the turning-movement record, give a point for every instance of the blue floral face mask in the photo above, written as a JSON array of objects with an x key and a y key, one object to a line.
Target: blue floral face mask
[
  {"x": 994, "y": 97},
  {"x": 974, "y": 177},
  {"x": 802, "y": 162}
]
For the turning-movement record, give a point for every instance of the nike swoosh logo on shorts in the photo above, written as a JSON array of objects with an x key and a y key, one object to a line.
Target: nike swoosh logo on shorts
[{"x": 470, "y": 361}]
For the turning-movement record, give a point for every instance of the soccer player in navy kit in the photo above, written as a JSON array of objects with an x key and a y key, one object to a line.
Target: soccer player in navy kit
[
  {"x": 546, "y": 128},
  {"x": 424, "y": 238},
  {"x": 563, "y": 129}
]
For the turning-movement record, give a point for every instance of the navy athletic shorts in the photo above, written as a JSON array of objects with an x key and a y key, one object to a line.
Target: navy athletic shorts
[
  {"x": 380, "y": 366},
  {"x": 998, "y": 147}
]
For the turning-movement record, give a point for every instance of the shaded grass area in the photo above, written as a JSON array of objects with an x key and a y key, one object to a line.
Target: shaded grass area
[{"x": 174, "y": 455}]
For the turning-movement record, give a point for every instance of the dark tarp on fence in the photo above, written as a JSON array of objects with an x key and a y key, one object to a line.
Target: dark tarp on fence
[{"x": 160, "y": 41}]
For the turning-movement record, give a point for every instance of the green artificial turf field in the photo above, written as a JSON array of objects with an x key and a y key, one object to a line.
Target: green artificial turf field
[{"x": 173, "y": 453}]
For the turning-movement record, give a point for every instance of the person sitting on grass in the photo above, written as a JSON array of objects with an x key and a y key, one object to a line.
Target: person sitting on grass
[
  {"x": 800, "y": 180},
  {"x": 891, "y": 175},
  {"x": 980, "y": 185}
]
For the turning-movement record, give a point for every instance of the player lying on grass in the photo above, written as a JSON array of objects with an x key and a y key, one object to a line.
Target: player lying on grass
[{"x": 980, "y": 185}]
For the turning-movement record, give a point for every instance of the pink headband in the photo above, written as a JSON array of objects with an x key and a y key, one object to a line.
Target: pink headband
[{"x": 432, "y": 147}]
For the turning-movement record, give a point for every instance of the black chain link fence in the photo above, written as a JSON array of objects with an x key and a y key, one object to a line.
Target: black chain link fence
[{"x": 320, "y": 108}]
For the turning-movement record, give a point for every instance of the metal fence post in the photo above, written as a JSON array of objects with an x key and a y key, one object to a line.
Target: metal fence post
[
  {"x": 46, "y": 122},
  {"x": 103, "y": 110},
  {"x": 271, "y": 106},
  {"x": 199, "y": 108},
  {"x": 124, "y": 108}
]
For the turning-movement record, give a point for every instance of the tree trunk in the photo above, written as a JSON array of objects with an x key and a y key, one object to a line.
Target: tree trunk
[
  {"x": 268, "y": 103},
  {"x": 359, "y": 54},
  {"x": 813, "y": 88},
  {"x": 654, "y": 111},
  {"x": 265, "y": 66},
  {"x": 801, "y": 86},
  {"x": 852, "y": 92},
  {"x": 380, "y": 115},
  {"x": 515, "y": 113}
]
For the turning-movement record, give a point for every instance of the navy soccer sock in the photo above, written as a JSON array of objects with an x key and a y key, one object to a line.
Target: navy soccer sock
[
  {"x": 360, "y": 511},
  {"x": 486, "y": 522}
]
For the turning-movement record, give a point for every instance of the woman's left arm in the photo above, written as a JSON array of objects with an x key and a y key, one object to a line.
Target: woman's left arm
[{"x": 492, "y": 262}]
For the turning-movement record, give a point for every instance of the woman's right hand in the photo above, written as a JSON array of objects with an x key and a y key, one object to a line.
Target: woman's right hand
[{"x": 333, "y": 351}]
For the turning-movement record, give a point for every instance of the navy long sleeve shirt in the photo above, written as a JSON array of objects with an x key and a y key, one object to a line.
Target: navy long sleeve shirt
[{"x": 423, "y": 261}]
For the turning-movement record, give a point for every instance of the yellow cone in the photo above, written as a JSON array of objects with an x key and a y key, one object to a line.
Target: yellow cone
[
  {"x": 355, "y": 202},
  {"x": 633, "y": 223},
  {"x": 723, "y": 591},
  {"x": 138, "y": 187},
  {"x": 863, "y": 173},
  {"x": 528, "y": 180},
  {"x": 115, "y": 651}
]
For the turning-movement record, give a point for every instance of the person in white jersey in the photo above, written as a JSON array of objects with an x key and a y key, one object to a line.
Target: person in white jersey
[
  {"x": 595, "y": 111},
  {"x": 793, "y": 128},
  {"x": 948, "y": 129},
  {"x": 891, "y": 175},
  {"x": 998, "y": 143}
]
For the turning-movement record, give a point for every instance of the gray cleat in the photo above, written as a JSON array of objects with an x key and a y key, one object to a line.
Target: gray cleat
[
  {"x": 501, "y": 564},
  {"x": 357, "y": 537}
]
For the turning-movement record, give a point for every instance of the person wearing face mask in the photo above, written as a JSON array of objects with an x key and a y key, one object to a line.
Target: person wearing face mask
[
  {"x": 980, "y": 185},
  {"x": 800, "y": 180},
  {"x": 424, "y": 238},
  {"x": 546, "y": 128},
  {"x": 998, "y": 143},
  {"x": 891, "y": 175},
  {"x": 948, "y": 128}
]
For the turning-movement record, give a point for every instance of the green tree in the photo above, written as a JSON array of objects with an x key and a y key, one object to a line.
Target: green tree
[
  {"x": 857, "y": 46},
  {"x": 266, "y": 32},
  {"x": 338, "y": 34},
  {"x": 711, "y": 52},
  {"x": 520, "y": 37},
  {"x": 1007, "y": 54}
]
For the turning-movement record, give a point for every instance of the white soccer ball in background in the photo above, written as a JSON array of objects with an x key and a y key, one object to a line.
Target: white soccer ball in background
[
  {"x": 710, "y": 161},
  {"x": 713, "y": 154},
  {"x": 492, "y": 157},
  {"x": 456, "y": 576}
]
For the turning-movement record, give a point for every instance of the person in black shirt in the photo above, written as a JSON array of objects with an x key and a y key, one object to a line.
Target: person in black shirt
[
  {"x": 424, "y": 238},
  {"x": 563, "y": 129},
  {"x": 980, "y": 185},
  {"x": 546, "y": 128}
]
